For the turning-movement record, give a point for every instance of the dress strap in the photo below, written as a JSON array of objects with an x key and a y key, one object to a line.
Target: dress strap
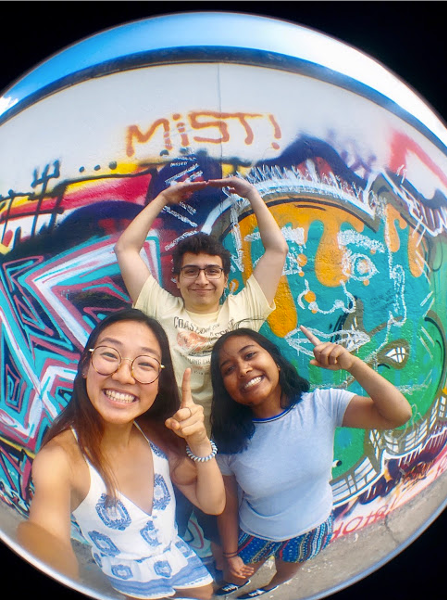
[
  {"x": 142, "y": 433},
  {"x": 158, "y": 452}
]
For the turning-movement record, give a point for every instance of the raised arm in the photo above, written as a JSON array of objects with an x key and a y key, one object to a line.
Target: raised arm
[
  {"x": 46, "y": 534},
  {"x": 207, "y": 490},
  {"x": 269, "y": 268},
  {"x": 385, "y": 408},
  {"x": 128, "y": 247}
]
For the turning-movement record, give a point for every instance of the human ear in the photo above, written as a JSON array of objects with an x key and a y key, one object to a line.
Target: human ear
[{"x": 84, "y": 369}]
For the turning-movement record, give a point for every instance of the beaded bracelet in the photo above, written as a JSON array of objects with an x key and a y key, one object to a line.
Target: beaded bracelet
[{"x": 202, "y": 458}]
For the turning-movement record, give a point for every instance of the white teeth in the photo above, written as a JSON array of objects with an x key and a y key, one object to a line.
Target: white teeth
[
  {"x": 252, "y": 382},
  {"x": 120, "y": 396}
]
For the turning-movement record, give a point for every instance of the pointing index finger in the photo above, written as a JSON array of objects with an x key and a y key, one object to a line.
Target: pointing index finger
[
  {"x": 310, "y": 336},
  {"x": 186, "y": 389}
]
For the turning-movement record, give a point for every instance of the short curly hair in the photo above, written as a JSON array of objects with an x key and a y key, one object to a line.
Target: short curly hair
[{"x": 197, "y": 244}]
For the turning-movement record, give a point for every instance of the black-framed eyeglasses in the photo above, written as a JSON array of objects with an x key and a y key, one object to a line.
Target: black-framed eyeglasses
[
  {"x": 144, "y": 368},
  {"x": 192, "y": 271}
]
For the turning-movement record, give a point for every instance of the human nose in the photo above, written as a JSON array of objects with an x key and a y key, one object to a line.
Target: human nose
[
  {"x": 124, "y": 371},
  {"x": 244, "y": 367},
  {"x": 201, "y": 277}
]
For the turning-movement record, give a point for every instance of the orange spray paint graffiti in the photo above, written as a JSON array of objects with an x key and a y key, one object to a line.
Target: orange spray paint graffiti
[{"x": 216, "y": 123}]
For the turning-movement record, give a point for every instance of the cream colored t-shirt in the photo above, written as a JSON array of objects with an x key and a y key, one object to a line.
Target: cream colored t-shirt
[{"x": 192, "y": 336}]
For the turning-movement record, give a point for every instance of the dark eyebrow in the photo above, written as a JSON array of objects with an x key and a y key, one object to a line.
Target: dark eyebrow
[
  {"x": 109, "y": 340},
  {"x": 241, "y": 351},
  {"x": 208, "y": 265}
]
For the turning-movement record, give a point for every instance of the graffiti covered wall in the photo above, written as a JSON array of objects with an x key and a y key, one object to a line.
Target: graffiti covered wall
[{"x": 360, "y": 195}]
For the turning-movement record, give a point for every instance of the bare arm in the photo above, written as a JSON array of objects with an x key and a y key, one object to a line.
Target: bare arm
[
  {"x": 385, "y": 408},
  {"x": 128, "y": 247},
  {"x": 207, "y": 490},
  {"x": 228, "y": 524},
  {"x": 47, "y": 533},
  {"x": 269, "y": 268}
]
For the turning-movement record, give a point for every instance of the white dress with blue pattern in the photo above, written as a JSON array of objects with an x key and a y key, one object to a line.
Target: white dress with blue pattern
[{"x": 141, "y": 554}]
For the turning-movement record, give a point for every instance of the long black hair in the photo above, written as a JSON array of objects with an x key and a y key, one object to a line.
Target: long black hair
[
  {"x": 81, "y": 415},
  {"x": 232, "y": 423}
]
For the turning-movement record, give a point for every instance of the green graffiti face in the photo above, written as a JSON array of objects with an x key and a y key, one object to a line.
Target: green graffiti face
[{"x": 366, "y": 283}]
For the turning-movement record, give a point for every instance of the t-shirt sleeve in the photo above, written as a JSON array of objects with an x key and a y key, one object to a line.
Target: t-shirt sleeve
[
  {"x": 336, "y": 403},
  {"x": 223, "y": 461},
  {"x": 153, "y": 299},
  {"x": 250, "y": 306}
]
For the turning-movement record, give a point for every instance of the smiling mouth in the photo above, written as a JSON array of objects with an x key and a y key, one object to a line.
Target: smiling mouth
[
  {"x": 252, "y": 383},
  {"x": 120, "y": 397}
]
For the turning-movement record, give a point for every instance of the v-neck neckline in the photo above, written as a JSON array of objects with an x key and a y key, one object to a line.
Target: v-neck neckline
[
  {"x": 121, "y": 495},
  {"x": 151, "y": 513}
]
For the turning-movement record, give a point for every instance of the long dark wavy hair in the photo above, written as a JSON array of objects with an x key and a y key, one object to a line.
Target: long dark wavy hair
[
  {"x": 232, "y": 423},
  {"x": 81, "y": 415}
]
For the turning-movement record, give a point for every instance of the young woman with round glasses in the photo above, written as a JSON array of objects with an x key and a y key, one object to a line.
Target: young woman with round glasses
[
  {"x": 107, "y": 360},
  {"x": 109, "y": 461}
]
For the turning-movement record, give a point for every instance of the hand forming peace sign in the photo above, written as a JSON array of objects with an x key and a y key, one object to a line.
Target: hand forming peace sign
[
  {"x": 188, "y": 421},
  {"x": 327, "y": 354}
]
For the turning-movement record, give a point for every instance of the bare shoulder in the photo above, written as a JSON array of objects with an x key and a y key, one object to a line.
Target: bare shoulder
[
  {"x": 46, "y": 533},
  {"x": 62, "y": 447},
  {"x": 58, "y": 461}
]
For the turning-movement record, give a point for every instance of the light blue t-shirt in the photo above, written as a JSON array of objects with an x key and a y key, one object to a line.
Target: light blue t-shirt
[{"x": 284, "y": 475}]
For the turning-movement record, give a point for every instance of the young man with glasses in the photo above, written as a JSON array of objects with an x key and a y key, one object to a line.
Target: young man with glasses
[
  {"x": 201, "y": 266},
  {"x": 193, "y": 322}
]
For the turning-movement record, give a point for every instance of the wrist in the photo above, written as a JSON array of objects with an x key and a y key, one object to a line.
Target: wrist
[
  {"x": 161, "y": 199},
  {"x": 253, "y": 196},
  {"x": 202, "y": 448},
  {"x": 199, "y": 443},
  {"x": 357, "y": 365},
  {"x": 202, "y": 452}
]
